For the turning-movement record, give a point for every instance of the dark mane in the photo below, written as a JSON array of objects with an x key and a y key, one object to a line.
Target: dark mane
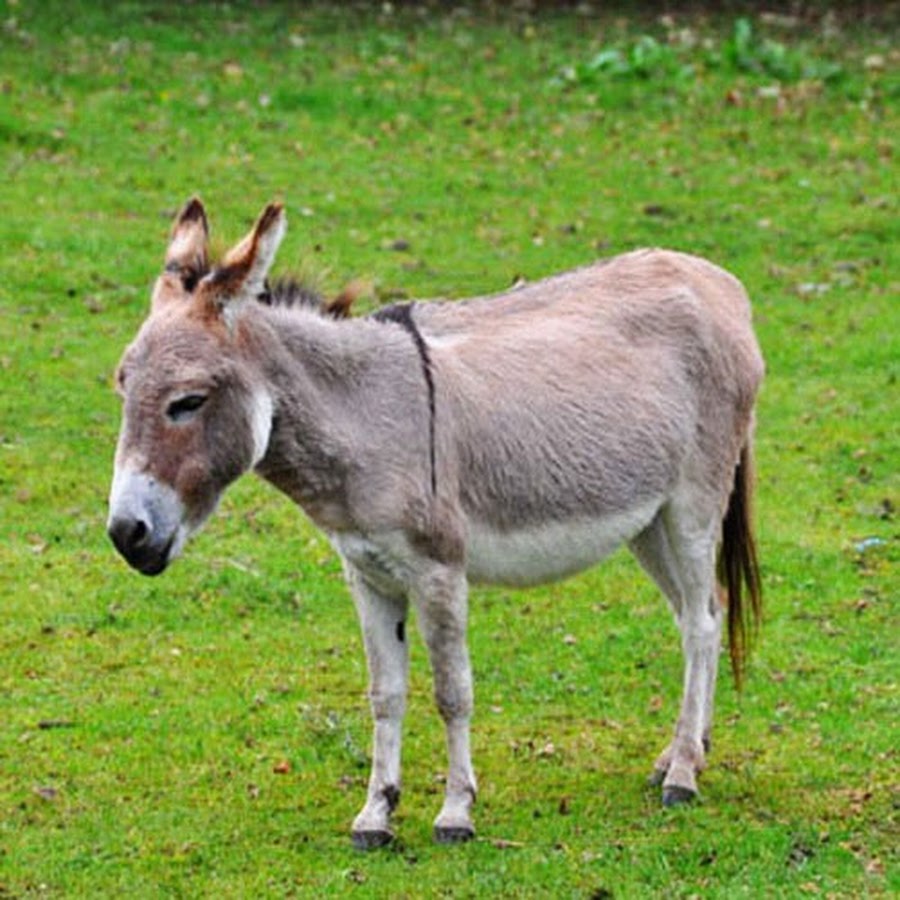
[{"x": 291, "y": 293}]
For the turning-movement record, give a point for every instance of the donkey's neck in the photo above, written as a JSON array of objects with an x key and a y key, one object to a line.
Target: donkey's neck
[{"x": 334, "y": 385}]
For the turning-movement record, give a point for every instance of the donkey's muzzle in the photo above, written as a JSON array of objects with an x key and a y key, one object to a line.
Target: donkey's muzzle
[
  {"x": 135, "y": 540},
  {"x": 144, "y": 520}
]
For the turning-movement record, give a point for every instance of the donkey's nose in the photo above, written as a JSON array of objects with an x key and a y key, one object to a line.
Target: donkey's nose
[
  {"x": 144, "y": 520},
  {"x": 129, "y": 535},
  {"x": 136, "y": 540}
]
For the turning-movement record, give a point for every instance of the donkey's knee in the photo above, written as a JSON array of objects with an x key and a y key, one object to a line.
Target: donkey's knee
[
  {"x": 387, "y": 706},
  {"x": 454, "y": 702}
]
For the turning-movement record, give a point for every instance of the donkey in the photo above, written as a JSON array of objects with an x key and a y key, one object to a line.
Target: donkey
[{"x": 515, "y": 439}]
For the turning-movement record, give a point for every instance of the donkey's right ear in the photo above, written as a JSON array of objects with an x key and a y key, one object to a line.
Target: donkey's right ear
[{"x": 187, "y": 255}]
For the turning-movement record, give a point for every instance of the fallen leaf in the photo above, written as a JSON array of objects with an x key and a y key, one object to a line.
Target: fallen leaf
[
  {"x": 503, "y": 844},
  {"x": 50, "y": 724},
  {"x": 36, "y": 544}
]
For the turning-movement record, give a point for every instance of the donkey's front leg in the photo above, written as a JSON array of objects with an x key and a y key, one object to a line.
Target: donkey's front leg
[
  {"x": 442, "y": 607},
  {"x": 383, "y": 620}
]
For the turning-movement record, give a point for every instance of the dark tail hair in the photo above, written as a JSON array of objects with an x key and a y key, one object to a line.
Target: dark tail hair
[{"x": 738, "y": 569}]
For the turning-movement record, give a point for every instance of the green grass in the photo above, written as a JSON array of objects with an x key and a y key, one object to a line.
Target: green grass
[{"x": 144, "y": 721}]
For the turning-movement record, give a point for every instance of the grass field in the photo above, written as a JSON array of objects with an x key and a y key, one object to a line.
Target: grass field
[{"x": 206, "y": 734}]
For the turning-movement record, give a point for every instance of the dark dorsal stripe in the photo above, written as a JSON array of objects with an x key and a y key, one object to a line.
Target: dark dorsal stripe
[{"x": 402, "y": 314}]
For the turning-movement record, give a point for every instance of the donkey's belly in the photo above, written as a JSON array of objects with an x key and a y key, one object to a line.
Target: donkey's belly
[{"x": 540, "y": 553}]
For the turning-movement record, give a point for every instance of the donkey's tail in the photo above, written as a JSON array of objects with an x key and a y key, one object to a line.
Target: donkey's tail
[{"x": 738, "y": 570}]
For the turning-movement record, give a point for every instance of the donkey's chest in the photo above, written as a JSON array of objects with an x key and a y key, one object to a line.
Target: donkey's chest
[{"x": 546, "y": 552}]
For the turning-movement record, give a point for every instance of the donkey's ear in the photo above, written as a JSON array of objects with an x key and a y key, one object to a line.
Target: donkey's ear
[
  {"x": 187, "y": 255},
  {"x": 242, "y": 274}
]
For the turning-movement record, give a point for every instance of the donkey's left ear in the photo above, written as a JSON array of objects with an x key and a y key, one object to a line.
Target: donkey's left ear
[{"x": 243, "y": 272}]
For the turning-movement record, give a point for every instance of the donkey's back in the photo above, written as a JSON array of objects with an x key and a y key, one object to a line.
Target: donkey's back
[{"x": 619, "y": 289}]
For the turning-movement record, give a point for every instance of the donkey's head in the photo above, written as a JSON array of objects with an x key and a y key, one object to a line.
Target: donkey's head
[{"x": 197, "y": 413}]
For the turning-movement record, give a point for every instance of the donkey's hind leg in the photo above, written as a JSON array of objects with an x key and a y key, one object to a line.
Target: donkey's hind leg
[{"x": 679, "y": 554}]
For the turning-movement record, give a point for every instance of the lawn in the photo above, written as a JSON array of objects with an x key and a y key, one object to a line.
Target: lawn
[{"x": 206, "y": 734}]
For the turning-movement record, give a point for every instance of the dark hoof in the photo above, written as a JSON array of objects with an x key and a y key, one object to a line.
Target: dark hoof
[
  {"x": 458, "y": 834},
  {"x": 677, "y": 796},
  {"x": 371, "y": 840}
]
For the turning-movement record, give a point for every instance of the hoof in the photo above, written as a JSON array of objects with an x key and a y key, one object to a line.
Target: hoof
[
  {"x": 677, "y": 796},
  {"x": 453, "y": 834},
  {"x": 371, "y": 840}
]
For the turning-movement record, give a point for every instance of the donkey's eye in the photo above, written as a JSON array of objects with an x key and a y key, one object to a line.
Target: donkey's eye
[{"x": 183, "y": 409}]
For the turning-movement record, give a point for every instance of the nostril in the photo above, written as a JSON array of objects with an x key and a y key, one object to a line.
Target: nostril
[
  {"x": 129, "y": 535},
  {"x": 139, "y": 533}
]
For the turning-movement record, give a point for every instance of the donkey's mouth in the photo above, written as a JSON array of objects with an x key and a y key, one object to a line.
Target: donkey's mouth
[{"x": 157, "y": 564}]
